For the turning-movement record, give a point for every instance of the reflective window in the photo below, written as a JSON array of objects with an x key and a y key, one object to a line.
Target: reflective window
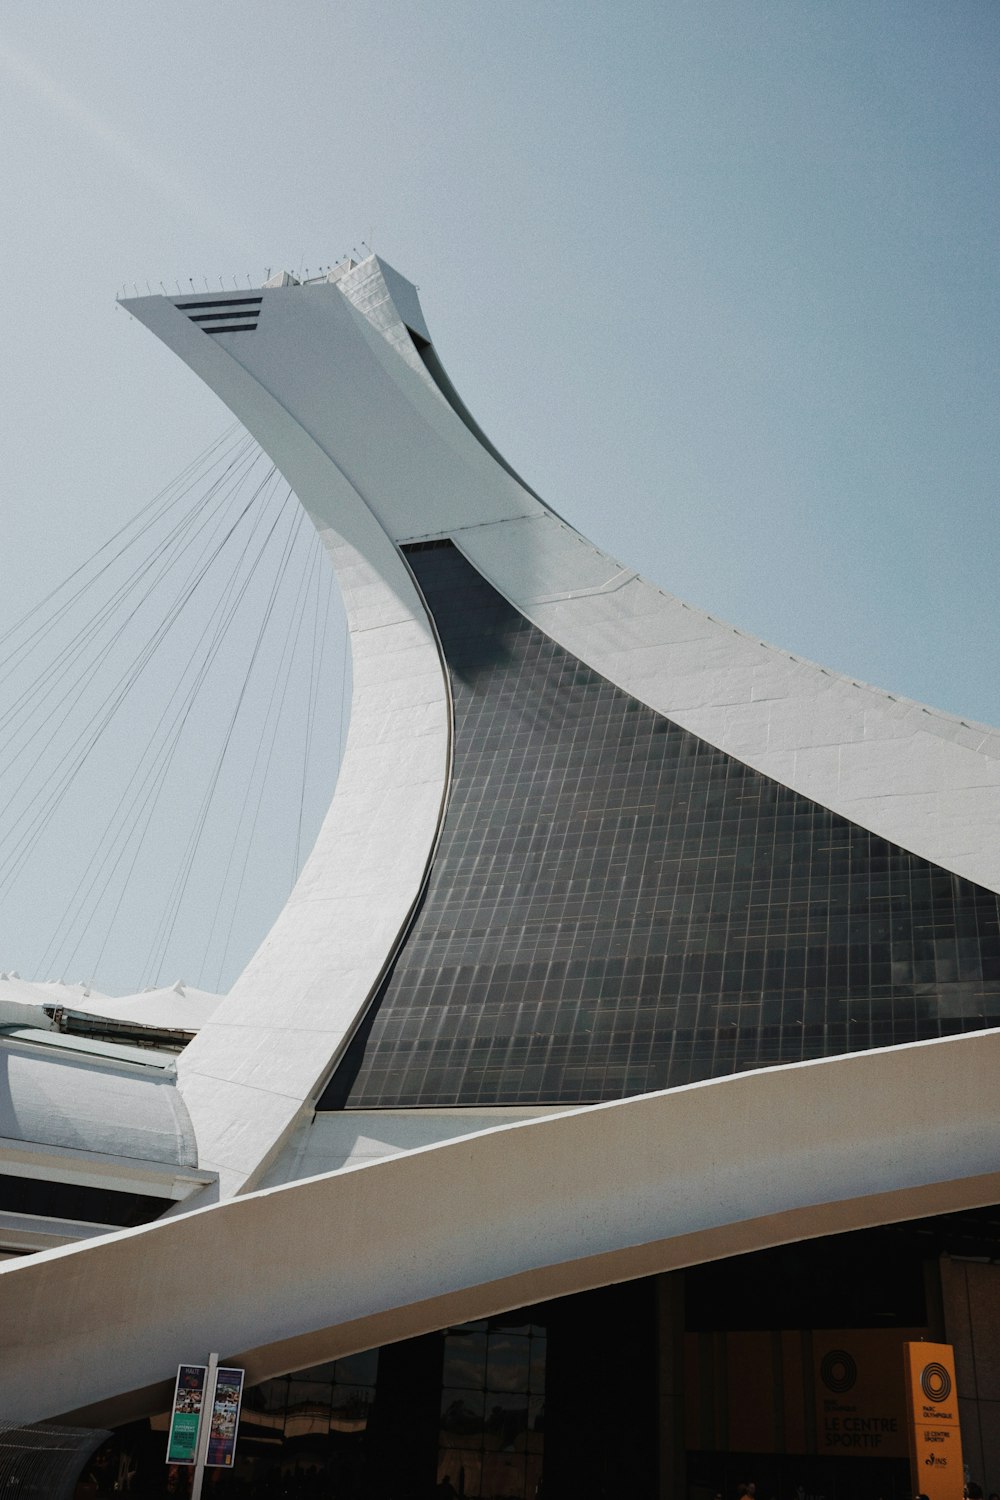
[
  {"x": 616, "y": 906},
  {"x": 492, "y": 1412},
  {"x": 309, "y": 1429}
]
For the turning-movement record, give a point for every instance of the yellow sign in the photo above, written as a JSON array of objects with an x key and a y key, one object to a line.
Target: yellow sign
[
  {"x": 935, "y": 1439},
  {"x": 860, "y": 1402}
]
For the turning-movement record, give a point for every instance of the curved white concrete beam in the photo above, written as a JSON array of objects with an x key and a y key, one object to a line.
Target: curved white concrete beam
[
  {"x": 270, "y": 1045},
  {"x": 288, "y": 1276}
]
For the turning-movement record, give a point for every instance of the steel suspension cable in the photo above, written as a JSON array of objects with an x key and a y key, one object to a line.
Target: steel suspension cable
[
  {"x": 161, "y": 555},
  {"x": 160, "y": 505},
  {"x": 105, "y": 713},
  {"x": 158, "y": 753},
  {"x": 272, "y": 716},
  {"x": 164, "y": 933}
]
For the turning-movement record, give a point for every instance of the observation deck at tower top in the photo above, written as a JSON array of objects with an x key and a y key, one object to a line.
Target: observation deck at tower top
[
  {"x": 332, "y": 274},
  {"x": 272, "y": 281}
]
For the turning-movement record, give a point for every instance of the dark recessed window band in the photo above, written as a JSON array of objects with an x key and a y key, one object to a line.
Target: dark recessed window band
[
  {"x": 233, "y": 328},
  {"x": 220, "y": 302},
  {"x": 70, "y": 1200},
  {"x": 617, "y": 906}
]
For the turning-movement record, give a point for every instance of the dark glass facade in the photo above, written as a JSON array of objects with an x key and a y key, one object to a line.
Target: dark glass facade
[
  {"x": 616, "y": 906},
  {"x": 492, "y": 1429},
  {"x": 318, "y": 1420},
  {"x": 681, "y": 1385}
]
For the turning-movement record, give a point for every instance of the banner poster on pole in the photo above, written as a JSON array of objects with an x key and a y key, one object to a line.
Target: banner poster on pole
[
  {"x": 225, "y": 1418},
  {"x": 935, "y": 1438},
  {"x": 189, "y": 1396}
]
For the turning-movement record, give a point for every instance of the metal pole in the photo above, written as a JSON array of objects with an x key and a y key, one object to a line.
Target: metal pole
[{"x": 205, "y": 1426}]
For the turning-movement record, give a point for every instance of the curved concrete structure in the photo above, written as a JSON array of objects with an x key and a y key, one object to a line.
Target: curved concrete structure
[
  {"x": 91, "y": 1135},
  {"x": 393, "y": 458},
  {"x": 82, "y": 1103},
  {"x": 925, "y": 780},
  {"x": 339, "y": 382},
  {"x": 257, "y": 1063},
  {"x": 572, "y": 1201}
]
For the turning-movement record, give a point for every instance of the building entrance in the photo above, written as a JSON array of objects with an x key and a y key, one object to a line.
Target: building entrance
[{"x": 777, "y": 1376}]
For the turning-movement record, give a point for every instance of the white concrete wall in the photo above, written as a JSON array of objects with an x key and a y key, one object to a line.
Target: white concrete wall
[
  {"x": 353, "y": 1137},
  {"x": 283, "y": 1278}
]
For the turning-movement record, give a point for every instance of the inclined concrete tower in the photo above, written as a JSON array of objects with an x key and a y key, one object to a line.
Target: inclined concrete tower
[{"x": 640, "y": 927}]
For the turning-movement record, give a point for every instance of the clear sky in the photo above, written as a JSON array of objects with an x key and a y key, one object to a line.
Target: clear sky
[{"x": 719, "y": 278}]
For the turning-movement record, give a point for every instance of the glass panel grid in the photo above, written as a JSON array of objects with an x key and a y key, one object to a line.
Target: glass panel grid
[
  {"x": 617, "y": 906},
  {"x": 491, "y": 1434}
]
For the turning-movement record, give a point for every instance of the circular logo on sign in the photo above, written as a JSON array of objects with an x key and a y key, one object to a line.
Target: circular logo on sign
[
  {"x": 935, "y": 1382},
  {"x": 838, "y": 1371}
]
